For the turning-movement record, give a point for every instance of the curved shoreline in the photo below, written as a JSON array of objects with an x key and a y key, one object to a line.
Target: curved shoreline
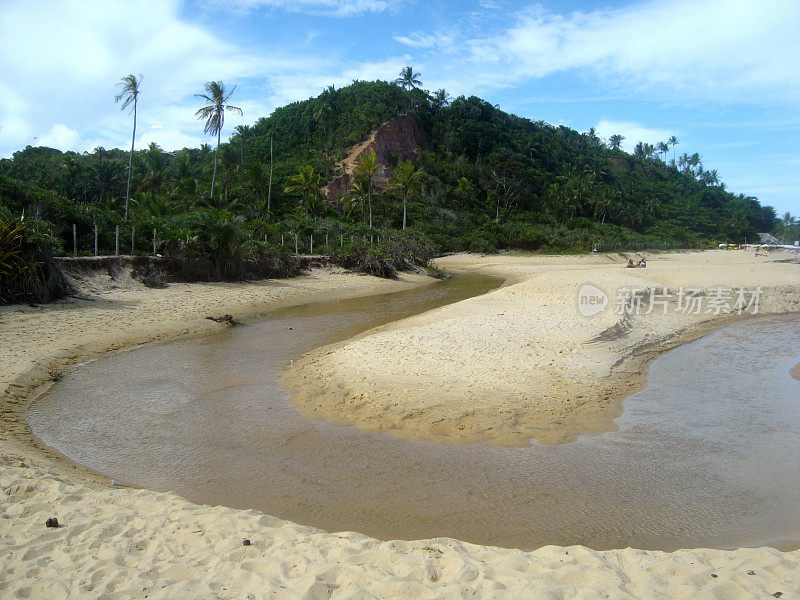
[
  {"x": 159, "y": 315},
  {"x": 138, "y": 543},
  {"x": 519, "y": 363}
]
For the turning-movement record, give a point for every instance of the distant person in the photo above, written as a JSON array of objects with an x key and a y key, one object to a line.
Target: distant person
[
  {"x": 630, "y": 264},
  {"x": 642, "y": 264}
]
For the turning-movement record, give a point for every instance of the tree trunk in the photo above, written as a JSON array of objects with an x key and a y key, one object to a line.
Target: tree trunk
[
  {"x": 404, "y": 212},
  {"x": 369, "y": 198},
  {"x": 214, "y": 174},
  {"x": 130, "y": 160},
  {"x": 269, "y": 189}
]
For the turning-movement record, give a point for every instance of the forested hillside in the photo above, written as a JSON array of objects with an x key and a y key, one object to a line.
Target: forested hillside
[{"x": 480, "y": 179}]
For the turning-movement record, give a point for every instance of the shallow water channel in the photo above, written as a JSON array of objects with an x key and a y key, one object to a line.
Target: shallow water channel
[{"x": 707, "y": 455}]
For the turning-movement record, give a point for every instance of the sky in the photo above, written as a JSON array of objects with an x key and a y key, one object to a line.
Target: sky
[{"x": 720, "y": 75}]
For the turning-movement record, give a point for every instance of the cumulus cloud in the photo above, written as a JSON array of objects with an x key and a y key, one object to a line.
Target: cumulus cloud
[
  {"x": 632, "y": 132},
  {"x": 64, "y": 83},
  {"x": 61, "y": 137},
  {"x": 712, "y": 49}
]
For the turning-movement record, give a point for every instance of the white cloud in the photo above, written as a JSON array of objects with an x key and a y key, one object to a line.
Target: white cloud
[
  {"x": 290, "y": 85},
  {"x": 712, "y": 49},
  {"x": 61, "y": 137},
  {"x": 633, "y": 133},
  {"x": 334, "y": 8},
  {"x": 83, "y": 48},
  {"x": 421, "y": 40}
]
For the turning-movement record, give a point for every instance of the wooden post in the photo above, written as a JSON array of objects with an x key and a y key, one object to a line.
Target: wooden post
[
  {"x": 295, "y": 245},
  {"x": 74, "y": 241},
  {"x": 312, "y": 244},
  {"x": 154, "y": 241},
  {"x": 95, "y": 239},
  {"x": 116, "y": 241},
  {"x": 132, "y": 230}
]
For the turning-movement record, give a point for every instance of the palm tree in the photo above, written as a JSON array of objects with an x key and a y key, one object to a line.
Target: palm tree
[
  {"x": 464, "y": 191},
  {"x": 408, "y": 80},
  {"x": 357, "y": 196},
  {"x": 662, "y": 149},
  {"x": 257, "y": 183},
  {"x": 710, "y": 177},
  {"x": 129, "y": 94},
  {"x": 306, "y": 183},
  {"x": 673, "y": 141},
  {"x": 440, "y": 98},
  {"x": 214, "y": 113},
  {"x": 615, "y": 141},
  {"x": 695, "y": 163},
  {"x": 367, "y": 167},
  {"x": 407, "y": 178}
]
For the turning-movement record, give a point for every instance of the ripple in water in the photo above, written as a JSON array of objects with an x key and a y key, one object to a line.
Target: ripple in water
[{"x": 707, "y": 455}]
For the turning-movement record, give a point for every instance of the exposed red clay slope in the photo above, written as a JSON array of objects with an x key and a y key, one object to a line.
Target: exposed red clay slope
[{"x": 398, "y": 139}]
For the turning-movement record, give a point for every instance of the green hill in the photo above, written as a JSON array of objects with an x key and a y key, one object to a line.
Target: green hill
[{"x": 477, "y": 179}]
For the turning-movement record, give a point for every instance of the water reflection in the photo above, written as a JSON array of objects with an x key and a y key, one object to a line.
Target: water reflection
[{"x": 708, "y": 455}]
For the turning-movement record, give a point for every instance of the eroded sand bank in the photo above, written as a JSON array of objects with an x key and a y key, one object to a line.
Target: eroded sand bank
[
  {"x": 521, "y": 362},
  {"x": 126, "y": 543}
]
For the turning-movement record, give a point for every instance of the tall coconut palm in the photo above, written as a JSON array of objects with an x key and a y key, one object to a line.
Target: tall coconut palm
[
  {"x": 129, "y": 95},
  {"x": 406, "y": 179},
  {"x": 615, "y": 141},
  {"x": 213, "y": 112},
  {"x": 367, "y": 167},
  {"x": 408, "y": 80},
  {"x": 673, "y": 141},
  {"x": 663, "y": 148}
]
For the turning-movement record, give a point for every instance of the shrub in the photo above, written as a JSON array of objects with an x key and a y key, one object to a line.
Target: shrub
[{"x": 27, "y": 270}]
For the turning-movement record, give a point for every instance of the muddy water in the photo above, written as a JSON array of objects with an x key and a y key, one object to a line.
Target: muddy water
[{"x": 708, "y": 455}]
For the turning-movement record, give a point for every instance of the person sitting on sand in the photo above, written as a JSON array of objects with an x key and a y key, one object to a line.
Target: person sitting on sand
[
  {"x": 630, "y": 264},
  {"x": 642, "y": 264}
]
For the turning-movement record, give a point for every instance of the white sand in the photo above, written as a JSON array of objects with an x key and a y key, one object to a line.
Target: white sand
[
  {"x": 127, "y": 543},
  {"x": 521, "y": 362}
]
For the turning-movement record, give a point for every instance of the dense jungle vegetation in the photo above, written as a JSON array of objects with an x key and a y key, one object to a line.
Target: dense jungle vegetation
[{"x": 482, "y": 180}]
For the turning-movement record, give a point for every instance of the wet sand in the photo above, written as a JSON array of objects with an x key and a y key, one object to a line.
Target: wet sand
[
  {"x": 795, "y": 372},
  {"x": 128, "y": 543},
  {"x": 714, "y": 464},
  {"x": 521, "y": 363}
]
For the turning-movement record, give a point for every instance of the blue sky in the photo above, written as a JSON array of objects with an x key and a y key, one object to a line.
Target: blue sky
[{"x": 721, "y": 75}]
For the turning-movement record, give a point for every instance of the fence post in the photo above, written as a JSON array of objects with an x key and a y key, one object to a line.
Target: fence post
[
  {"x": 132, "y": 230},
  {"x": 74, "y": 241},
  {"x": 95, "y": 239},
  {"x": 116, "y": 241},
  {"x": 154, "y": 241}
]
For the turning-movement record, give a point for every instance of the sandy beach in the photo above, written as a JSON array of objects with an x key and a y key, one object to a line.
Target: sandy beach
[
  {"x": 521, "y": 362},
  {"x": 117, "y": 542}
]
